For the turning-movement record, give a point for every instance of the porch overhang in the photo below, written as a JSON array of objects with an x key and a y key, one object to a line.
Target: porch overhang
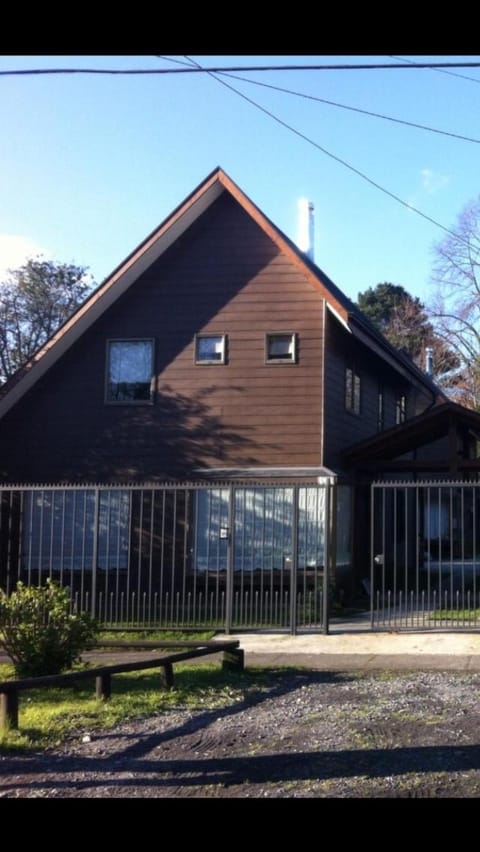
[{"x": 400, "y": 448}]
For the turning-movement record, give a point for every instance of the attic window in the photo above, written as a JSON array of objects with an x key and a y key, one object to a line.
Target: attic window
[
  {"x": 129, "y": 371},
  {"x": 280, "y": 348},
  {"x": 210, "y": 348}
]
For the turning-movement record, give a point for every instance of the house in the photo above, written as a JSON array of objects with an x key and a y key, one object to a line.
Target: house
[{"x": 171, "y": 451}]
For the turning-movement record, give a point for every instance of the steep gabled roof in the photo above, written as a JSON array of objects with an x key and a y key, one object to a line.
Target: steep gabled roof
[{"x": 154, "y": 246}]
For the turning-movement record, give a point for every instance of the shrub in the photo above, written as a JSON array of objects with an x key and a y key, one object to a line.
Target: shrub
[{"x": 38, "y": 631}]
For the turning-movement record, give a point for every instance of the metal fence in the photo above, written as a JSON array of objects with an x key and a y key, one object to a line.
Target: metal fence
[
  {"x": 425, "y": 555},
  {"x": 190, "y": 556}
]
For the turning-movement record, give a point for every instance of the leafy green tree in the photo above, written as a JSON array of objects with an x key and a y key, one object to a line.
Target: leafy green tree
[
  {"x": 35, "y": 300},
  {"x": 404, "y": 321}
]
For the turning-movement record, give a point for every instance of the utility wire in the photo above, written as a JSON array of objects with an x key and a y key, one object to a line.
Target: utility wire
[
  {"x": 220, "y": 69},
  {"x": 441, "y": 70},
  {"x": 334, "y": 157},
  {"x": 355, "y": 109},
  {"x": 342, "y": 106}
]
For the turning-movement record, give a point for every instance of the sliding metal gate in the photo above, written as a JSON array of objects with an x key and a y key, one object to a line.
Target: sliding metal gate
[
  {"x": 223, "y": 556},
  {"x": 425, "y": 555}
]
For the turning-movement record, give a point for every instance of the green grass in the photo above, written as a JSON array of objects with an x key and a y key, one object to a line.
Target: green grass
[
  {"x": 49, "y": 716},
  {"x": 454, "y": 615},
  {"x": 153, "y": 633}
]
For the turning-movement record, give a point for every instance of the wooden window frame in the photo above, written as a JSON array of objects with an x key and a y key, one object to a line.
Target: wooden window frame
[
  {"x": 208, "y": 362},
  {"x": 269, "y": 335}
]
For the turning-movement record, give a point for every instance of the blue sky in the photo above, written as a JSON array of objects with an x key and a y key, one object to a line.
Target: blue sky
[{"x": 89, "y": 165}]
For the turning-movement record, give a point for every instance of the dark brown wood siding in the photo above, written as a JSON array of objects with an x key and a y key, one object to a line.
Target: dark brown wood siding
[
  {"x": 223, "y": 275},
  {"x": 344, "y": 428}
]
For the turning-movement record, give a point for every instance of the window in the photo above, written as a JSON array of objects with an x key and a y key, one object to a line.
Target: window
[
  {"x": 381, "y": 410},
  {"x": 129, "y": 371},
  {"x": 352, "y": 390},
  {"x": 281, "y": 348},
  {"x": 58, "y": 531},
  {"x": 401, "y": 409},
  {"x": 210, "y": 348}
]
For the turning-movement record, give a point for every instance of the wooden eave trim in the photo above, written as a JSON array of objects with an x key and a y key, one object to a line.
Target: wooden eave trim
[
  {"x": 382, "y": 351},
  {"x": 112, "y": 288}
]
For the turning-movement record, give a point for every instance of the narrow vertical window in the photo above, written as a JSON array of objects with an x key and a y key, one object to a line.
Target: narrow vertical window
[
  {"x": 381, "y": 410},
  {"x": 401, "y": 409},
  {"x": 352, "y": 390}
]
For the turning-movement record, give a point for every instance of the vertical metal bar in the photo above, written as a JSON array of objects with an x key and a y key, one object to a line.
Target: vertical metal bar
[
  {"x": 95, "y": 549},
  {"x": 62, "y": 534},
  {"x": 372, "y": 552},
  {"x": 186, "y": 511},
  {"x": 52, "y": 516},
  {"x": 405, "y": 560},
  {"x": 150, "y": 555},
  {"x": 294, "y": 565},
  {"x": 330, "y": 539},
  {"x": 40, "y": 539},
  {"x": 162, "y": 558},
  {"x": 30, "y": 539},
  {"x": 230, "y": 562}
]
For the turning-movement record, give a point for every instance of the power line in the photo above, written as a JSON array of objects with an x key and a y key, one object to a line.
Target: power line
[
  {"x": 223, "y": 69},
  {"x": 334, "y": 157},
  {"x": 355, "y": 109},
  {"x": 441, "y": 70}
]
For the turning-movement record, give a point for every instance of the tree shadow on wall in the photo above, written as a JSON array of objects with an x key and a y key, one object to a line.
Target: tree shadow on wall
[{"x": 172, "y": 439}]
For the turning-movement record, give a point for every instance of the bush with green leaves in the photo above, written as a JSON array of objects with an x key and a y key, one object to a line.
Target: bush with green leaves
[{"x": 39, "y": 632}]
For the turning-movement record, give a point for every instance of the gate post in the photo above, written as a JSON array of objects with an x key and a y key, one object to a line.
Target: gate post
[
  {"x": 330, "y": 548},
  {"x": 229, "y": 583},
  {"x": 293, "y": 569}
]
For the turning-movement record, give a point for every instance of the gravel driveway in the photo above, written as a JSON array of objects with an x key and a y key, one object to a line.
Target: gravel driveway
[{"x": 309, "y": 734}]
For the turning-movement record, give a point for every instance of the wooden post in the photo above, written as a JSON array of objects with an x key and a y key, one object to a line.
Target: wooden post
[
  {"x": 103, "y": 686},
  {"x": 166, "y": 676},
  {"x": 233, "y": 658},
  {"x": 9, "y": 710}
]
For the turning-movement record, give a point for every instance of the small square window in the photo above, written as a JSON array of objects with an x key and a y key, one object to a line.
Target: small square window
[
  {"x": 210, "y": 348},
  {"x": 129, "y": 371},
  {"x": 281, "y": 348}
]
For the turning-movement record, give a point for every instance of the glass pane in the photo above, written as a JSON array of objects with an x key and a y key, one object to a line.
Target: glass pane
[
  {"x": 280, "y": 346},
  {"x": 210, "y": 348},
  {"x": 211, "y": 518},
  {"x": 130, "y": 370}
]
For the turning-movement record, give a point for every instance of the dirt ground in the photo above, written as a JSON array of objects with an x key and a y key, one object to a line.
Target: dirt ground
[{"x": 309, "y": 734}]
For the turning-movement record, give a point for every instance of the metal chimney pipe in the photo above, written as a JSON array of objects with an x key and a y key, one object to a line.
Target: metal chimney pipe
[
  {"x": 306, "y": 235},
  {"x": 429, "y": 361}
]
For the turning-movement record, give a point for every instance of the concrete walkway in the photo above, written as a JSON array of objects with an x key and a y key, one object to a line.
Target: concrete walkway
[{"x": 346, "y": 650}]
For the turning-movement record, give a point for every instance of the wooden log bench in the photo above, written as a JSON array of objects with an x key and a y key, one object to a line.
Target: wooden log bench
[{"x": 233, "y": 658}]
